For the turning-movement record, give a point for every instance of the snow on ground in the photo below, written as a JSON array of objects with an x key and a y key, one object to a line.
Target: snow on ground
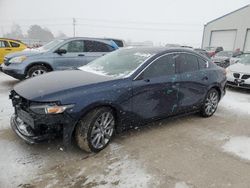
[
  {"x": 6, "y": 111},
  {"x": 236, "y": 101},
  {"x": 181, "y": 185},
  {"x": 122, "y": 173},
  {"x": 239, "y": 146}
]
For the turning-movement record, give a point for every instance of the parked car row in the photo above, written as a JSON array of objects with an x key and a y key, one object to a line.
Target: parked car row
[{"x": 60, "y": 54}]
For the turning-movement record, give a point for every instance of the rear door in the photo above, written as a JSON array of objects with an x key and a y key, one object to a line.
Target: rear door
[
  {"x": 4, "y": 49},
  {"x": 193, "y": 81},
  {"x": 74, "y": 57},
  {"x": 155, "y": 93},
  {"x": 95, "y": 49}
]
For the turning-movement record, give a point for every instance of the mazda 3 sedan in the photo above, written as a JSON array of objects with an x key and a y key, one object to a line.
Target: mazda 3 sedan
[{"x": 128, "y": 87}]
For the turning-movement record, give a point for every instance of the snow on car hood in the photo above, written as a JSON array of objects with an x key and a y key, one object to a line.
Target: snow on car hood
[
  {"x": 41, "y": 88},
  {"x": 26, "y": 52},
  {"x": 241, "y": 68}
]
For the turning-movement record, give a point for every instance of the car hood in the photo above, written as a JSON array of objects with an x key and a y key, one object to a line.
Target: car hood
[
  {"x": 41, "y": 88},
  {"x": 27, "y": 53},
  {"x": 219, "y": 59},
  {"x": 241, "y": 68}
]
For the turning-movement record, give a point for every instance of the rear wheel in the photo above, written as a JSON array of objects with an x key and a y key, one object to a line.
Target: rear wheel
[
  {"x": 37, "y": 70},
  {"x": 210, "y": 103},
  {"x": 95, "y": 130}
]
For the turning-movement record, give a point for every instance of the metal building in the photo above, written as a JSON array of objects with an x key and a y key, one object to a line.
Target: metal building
[{"x": 231, "y": 31}]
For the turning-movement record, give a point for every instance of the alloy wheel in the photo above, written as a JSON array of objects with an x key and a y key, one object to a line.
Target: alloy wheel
[
  {"x": 102, "y": 130},
  {"x": 211, "y": 103}
]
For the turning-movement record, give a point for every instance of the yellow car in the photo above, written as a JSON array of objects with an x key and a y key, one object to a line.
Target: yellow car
[{"x": 8, "y": 46}]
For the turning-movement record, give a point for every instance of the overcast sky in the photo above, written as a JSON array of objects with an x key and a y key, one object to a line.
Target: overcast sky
[{"x": 160, "y": 21}]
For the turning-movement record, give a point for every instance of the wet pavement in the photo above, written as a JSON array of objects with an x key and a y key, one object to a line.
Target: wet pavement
[{"x": 184, "y": 152}]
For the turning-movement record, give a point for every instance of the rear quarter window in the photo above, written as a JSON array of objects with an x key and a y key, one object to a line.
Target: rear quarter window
[{"x": 14, "y": 44}]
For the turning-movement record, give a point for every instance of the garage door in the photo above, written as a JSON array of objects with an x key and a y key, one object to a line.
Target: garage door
[
  {"x": 226, "y": 39},
  {"x": 247, "y": 42}
]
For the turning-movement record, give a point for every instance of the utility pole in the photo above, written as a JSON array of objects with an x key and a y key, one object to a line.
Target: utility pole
[{"x": 74, "y": 27}]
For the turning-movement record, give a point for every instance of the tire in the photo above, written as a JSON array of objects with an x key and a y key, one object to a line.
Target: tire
[
  {"x": 210, "y": 103},
  {"x": 36, "y": 71},
  {"x": 92, "y": 134}
]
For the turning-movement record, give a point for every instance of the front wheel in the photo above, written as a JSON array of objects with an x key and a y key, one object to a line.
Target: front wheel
[
  {"x": 37, "y": 70},
  {"x": 95, "y": 130},
  {"x": 210, "y": 103}
]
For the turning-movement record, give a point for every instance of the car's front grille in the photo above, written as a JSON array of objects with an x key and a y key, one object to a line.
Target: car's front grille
[
  {"x": 236, "y": 75},
  {"x": 18, "y": 101},
  {"x": 6, "y": 61},
  {"x": 245, "y": 76}
]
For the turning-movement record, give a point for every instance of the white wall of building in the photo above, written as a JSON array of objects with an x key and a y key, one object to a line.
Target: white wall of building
[{"x": 230, "y": 30}]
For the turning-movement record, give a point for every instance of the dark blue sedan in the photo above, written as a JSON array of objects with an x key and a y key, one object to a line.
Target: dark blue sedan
[{"x": 125, "y": 88}]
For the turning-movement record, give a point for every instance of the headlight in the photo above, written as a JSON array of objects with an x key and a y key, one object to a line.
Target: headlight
[
  {"x": 228, "y": 71},
  {"x": 19, "y": 59},
  {"x": 50, "y": 109}
]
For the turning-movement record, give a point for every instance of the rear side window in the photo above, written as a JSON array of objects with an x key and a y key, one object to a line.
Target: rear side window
[
  {"x": 75, "y": 46},
  {"x": 119, "y": 43},
  {"x": 14, "y": 44},
  {"x": 95, "y": 46},
  {"x": 186, "y": 63},
  {"x": 163, "y": 66},
  {"x": 4, "y": 44},
  {"x": 202, "y": 63}
]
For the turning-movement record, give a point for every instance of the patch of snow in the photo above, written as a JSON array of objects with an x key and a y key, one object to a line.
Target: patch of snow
[
  {"x": 181, "y": 185},
  {"x": 122, "y": 173},
  {"x": 239, "y": 146},
  {"x": 237, "y": 102}
]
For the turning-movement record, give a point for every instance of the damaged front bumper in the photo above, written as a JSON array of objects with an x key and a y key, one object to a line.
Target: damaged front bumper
[
  {"x": 33, "y": 128},
  {"x": 25, "y": 132}
]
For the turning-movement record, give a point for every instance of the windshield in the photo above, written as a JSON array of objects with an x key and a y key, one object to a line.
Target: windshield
[
  {"x": 50, "y": 45},
  {"x": 120, "y": 63},
  {"x": 245, "y": 60},
  {"x": 224, "y": 54}
]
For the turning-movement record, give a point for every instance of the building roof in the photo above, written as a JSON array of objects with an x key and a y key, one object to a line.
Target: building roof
[{"x": 228, "y": 14}]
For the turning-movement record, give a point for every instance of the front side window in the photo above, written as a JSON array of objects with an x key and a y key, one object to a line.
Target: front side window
[
  {"x": 14, "y": 44},
  {"x": 95, "y": 46},
  {"x": 163, "y": 66},
  {"x": 75, "y": 46},
  {"x": 186, "y": 63},
  {"x": 4, "y": 44}
]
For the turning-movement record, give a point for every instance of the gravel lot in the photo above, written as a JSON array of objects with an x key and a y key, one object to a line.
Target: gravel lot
[{"x": 184, "y": 152}]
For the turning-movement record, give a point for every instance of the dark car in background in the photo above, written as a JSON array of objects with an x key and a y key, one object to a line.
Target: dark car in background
[
  {"x": 222, "y": 58},
  {"x": 213, "y": 50},
  {"x": 125, "y": 88},
  {"x": 60, "y": 54}
]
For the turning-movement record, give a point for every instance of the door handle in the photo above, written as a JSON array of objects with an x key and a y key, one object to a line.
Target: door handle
[
  {"x": 8, "y": 49},
  {"x": 81, "y": 55},
  {"x": 146, "y": 80},
  {"x": 205, "y": 78}
]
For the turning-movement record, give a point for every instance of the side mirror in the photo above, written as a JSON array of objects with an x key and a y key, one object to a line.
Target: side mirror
[{"x": 61, "y": 51}]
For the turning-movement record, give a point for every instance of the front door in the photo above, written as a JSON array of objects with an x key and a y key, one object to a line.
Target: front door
[{"x": 73, "y": 58}]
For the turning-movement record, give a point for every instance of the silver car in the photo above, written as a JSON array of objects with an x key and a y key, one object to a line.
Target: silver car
[
  {"x": 60, "y": 54},
  {"x": 238, "y": 75}
]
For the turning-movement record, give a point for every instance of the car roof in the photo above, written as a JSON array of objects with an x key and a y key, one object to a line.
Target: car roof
[
  {"x": 11, "y": 39},
  {"x": 162, "y": 50}
]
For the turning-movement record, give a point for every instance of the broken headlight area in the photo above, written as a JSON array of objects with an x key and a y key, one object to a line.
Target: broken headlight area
[{"x": 50, "y": 108}]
